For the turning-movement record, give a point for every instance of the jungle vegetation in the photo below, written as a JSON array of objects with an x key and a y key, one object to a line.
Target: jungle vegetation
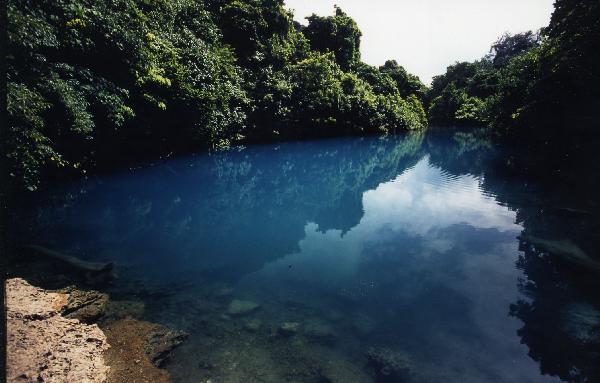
[
  {"x": 533, "y": 84},
  {"x": 94, "y": 85},
  {"x": 537, "y": 92}
]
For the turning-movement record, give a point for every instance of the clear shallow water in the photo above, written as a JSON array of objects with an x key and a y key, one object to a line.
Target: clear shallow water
[{"x": 405, "y": 244}]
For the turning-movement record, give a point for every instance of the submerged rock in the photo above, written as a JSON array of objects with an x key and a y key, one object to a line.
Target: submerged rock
[
  {"x": 238, "y": 307},
  {"x": 94, "y": 272},
  {"x": 389, "y": 365},
  {"x": 223, "y": 292},
  {"x": 87, "y": 306},
  {"x": 160, "y": 341},
  {"x": 253, "y": 325},
  {"x": 566, "y": 250},
  {"x": 581, "y": 322},
  {"x": 319, "y": 331},
  {"x": 335, "y": 369},
  {"x": 364, "y": 324},
  {"x": 137, "y": 350},
  {"x": 43, "y": 346},
  {"x": 288, "y": 328},
  {"x": 334, "y": 315},
  {"x": 116, "y": 310}
]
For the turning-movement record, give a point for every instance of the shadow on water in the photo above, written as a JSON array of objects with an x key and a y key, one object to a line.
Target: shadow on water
[
  {"x": 432, "y": 254},
  {"x": 200, "y": 214},
  {"x": 556, "y": 204}
]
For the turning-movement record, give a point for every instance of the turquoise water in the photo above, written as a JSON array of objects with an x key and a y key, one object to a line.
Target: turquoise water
[{"x": 424, "y": 249}]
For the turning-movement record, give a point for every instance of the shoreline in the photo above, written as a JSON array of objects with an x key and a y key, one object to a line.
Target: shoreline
[{"x": 73, "y": 335}]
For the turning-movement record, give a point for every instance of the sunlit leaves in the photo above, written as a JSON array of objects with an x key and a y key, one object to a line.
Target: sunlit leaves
[{"x": 99, "y": 83}]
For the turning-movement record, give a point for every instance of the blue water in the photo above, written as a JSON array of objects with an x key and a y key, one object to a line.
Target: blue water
[{"x": 408, "y": 244}]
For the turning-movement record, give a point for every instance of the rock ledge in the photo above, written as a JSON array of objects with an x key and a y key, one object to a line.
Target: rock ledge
[{"x": 44, "y": 346}]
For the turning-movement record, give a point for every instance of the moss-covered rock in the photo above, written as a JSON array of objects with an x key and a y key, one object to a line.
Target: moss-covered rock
[
  {"x": 87, "y": 306},
  {"x": 239, "y": 307}
]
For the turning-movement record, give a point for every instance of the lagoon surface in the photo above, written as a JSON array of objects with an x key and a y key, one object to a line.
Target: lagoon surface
[{"x": 419, "y": 250}]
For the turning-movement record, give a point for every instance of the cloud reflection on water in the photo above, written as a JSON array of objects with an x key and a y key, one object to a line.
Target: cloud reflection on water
[{"x": 423, "y": 233}]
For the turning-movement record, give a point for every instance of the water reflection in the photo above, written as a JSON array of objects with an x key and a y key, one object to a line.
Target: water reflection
[
  {"x": 430, "y": 264},
  {"x": 404, "y": 243},
  {"x": 231, "y": 211},
  {"x": 561, "y": 320}
]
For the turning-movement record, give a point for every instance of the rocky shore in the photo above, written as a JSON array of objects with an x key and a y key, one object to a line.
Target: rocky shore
[
  {"x": 81, "y": 336},
  {"x": 43, "y": 345}
]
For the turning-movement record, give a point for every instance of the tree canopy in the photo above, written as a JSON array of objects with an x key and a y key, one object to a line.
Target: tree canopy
[
  {"x": 106, "y": 83},
  {"x": 338, "y": 34},
  {"x": 531, "y": 84}
]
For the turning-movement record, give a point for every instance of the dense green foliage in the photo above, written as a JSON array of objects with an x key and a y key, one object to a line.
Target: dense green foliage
[
  {"x": 100, "y": 83},
  {"x": 530, "y": 85},
  {"x": 87, "y": 78},
  {"x": 465, "y": 94},
  {"x": 338, "y": 34}
]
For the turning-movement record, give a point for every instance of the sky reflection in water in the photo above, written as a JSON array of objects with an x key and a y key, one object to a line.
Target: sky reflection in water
[
  {"x": 373, "y": 236},
  {"x": 426, "y": 239}
]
